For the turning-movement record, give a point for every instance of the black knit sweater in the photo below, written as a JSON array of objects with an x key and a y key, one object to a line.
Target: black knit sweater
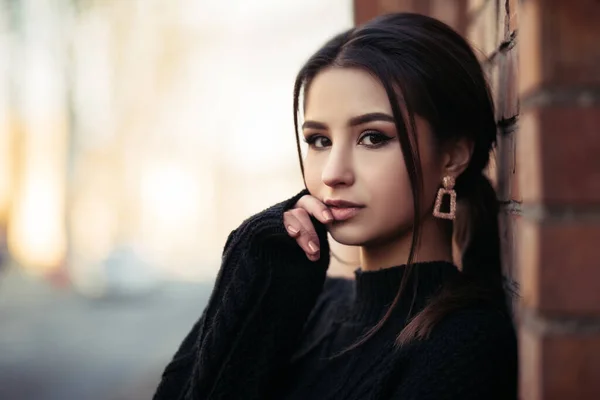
[{"x": 274, "y": 323}]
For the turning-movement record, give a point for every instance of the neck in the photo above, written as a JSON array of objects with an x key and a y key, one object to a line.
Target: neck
[{"x": 434, "y": 246}]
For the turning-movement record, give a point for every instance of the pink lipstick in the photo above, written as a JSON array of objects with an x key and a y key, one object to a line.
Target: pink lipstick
[{"x": 343, "y": 210}]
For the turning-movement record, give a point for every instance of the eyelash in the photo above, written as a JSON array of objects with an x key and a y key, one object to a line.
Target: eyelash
[{"x": 384, "y": 139}]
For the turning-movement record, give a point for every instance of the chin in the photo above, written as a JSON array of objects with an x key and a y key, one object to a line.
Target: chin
[
  {"x": 353, "y": 233},
  {"x": 349, "y": 235}
]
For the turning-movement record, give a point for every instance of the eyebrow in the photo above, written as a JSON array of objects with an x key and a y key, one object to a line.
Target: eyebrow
[{"x": 354, "y": 121}]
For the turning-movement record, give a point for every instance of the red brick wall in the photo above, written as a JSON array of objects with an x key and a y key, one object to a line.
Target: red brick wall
[
  {"x": 450, "y": 11},
  {"x": 543, "y": 62},
  {"x": 492, "y": 27},
  {"x": 559, "y": 174}
]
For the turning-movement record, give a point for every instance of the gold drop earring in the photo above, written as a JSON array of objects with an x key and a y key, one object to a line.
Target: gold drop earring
[{"x": 447, "y": 189}]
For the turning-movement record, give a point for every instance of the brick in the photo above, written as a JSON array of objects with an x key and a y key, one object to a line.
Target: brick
[
  {"x": 492, "y": 75},
  {"x": 558, "y": 366},
  {"x": 482, "y": 29},
  {"x": 453, "y": 13},
  {"x": 508, "y": 19},
  {"x": 554, "y": 166},
  {"x": 507, "y": 105},
  {"x": 364, "y": 10},
  {"x": 515, "y": 187},
  {"x": 417, "y": 6},
  {"x": 501, "y": 23},
  {"x": 507, "y": 230},
  {"x": 503, "y": 159},
  {"x": 558, "y": 266},
  {"x": 387, "y": 6},
  {"x": 474, "y": 6},
  {"x": 513, "y": 15},
  {"x": 530, "y": 366},
  {"x": 560, "y": 43},
  {"x": 508, "y": 187}
]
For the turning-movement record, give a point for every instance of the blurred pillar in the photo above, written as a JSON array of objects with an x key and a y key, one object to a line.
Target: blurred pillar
[
  {"x": 7, "y": 126},
  {"x": 559, "y": 231},
  {"x": 36, "y": 232}
]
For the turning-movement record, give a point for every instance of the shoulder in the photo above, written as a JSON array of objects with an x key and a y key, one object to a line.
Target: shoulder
[
  {"x": 470, "y": 354},
  {"x": 475, "y": 349},
  {"x": 475, "y": 334},
  {"x": 482, "y": 326},
  {"x": 475, "y": 319}
]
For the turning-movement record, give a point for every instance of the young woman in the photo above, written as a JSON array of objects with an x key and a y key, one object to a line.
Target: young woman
[{"x": 397, "y": 116}]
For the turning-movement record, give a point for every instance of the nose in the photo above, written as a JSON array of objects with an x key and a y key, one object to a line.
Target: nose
[{"x": 338, "y": 170}]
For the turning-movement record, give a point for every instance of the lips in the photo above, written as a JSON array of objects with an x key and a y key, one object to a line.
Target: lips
[
  {"x": 343, "y": 210},
  {"x": 343, "y": 214}
]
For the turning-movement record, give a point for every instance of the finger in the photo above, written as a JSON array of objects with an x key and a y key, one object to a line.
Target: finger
[
  {"x": 292, "y": 225},
  {"x": 316, "y": 208},
  {"x": 294, "y": 228},
  {"x": 307, "y": 239}
]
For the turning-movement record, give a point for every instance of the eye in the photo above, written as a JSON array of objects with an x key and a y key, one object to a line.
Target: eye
[
  {"x": 317, "y": 141},
  {"x": 374, "y": 139}
]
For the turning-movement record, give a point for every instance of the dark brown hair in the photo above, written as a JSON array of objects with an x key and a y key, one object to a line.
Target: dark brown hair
[{"x": 432, "y": 72}]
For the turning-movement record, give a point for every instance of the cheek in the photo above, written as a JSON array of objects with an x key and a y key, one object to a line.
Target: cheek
[
  {"x": 396, "y": 196},
  {"x": 390, "y": 190},
  {"x": 312, "y": 174},
  {"x": 389, "y": 187}
]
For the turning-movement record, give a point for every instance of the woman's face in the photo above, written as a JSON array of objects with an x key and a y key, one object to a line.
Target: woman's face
[{"x": 354, "y": 156}]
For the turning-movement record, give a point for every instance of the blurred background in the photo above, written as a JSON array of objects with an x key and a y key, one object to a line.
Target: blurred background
[{"x": 134, "y": 136}]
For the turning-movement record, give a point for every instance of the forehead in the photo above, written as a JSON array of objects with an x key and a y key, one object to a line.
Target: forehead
[{"x": 341, "y": 93}]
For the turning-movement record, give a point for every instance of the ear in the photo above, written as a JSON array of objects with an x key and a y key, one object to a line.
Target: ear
[{"x": 457, "y": 157}]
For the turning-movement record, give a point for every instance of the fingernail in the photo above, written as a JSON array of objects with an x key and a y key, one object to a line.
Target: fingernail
[
  {"x": 327, "y": 215},
  {"x": 292, "y": 229},
  {"x": 313, "y": 247}
]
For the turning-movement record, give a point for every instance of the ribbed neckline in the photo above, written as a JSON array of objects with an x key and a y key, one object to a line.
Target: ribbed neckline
[{"x": 376, "y": 290}]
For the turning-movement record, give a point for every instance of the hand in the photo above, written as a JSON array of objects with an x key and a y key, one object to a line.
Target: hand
[{"x": 299, "y": 226}]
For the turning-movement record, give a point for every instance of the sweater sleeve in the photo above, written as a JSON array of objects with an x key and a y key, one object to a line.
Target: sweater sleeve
[
  {"x": 264, "y": 292},
  {"x": 472, "y": 355}
]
